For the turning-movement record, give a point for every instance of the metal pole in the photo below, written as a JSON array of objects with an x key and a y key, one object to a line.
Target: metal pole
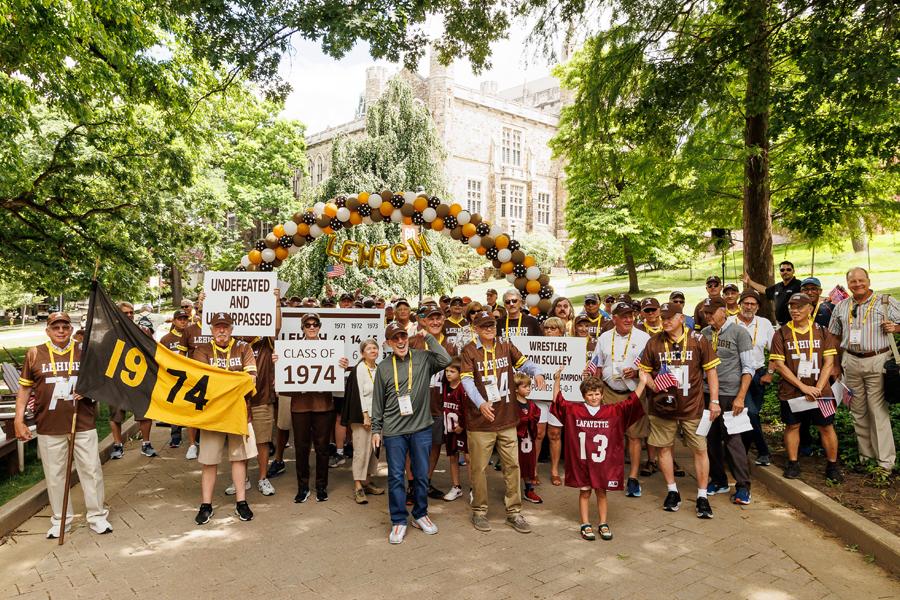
[{"x": 421, "y": 271}]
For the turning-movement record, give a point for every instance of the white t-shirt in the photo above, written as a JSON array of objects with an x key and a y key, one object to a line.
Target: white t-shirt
[
  {"x": 761, "y": 332},
  {"x": 627, "y": 349},
  {"x": 366, "y": 386}
]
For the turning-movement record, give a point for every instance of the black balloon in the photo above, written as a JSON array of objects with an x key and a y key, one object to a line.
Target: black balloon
[
  {"x": 514, "y": 245},
  {"x": 266, "y": 266},
  {"x": 463, "y": 239},
  {"x": 450, "y": 222},
  {"x": 241, "y": 268},
  {"x": 434, "y": 201},
  {"x": 309, "y": 218},
  {"x": 336, "y": 224},
  {"x": 520, "y": 270},
  {"x": 397, "y": 201},
  {"x": 491, "y": 253},
  {"x": 483, "y": 229},
  {"x": 546, "y": 291},
  {"x": 417, "y": 218},
  {"x": 286, "y": 241},
  {"x": 364, "y": 210},
  {"x": 340, "y": 201},
  {"x": 260, "y": 245}
]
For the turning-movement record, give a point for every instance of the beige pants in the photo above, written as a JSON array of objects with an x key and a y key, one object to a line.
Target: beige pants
[
  {"x": 53, "y": 451},
  {"x": 481, "y": 446},
  {"x": 364, "y": 462},
  {"x": 871, "y": 418},
  {"x": 283, "y": 420}
]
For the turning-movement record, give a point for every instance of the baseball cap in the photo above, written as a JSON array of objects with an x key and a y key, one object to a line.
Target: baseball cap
[
  {"x": 749, "y": 294},
  {"x": 591, "y": 298},
  {"x": 622, "y": 308},
  {"x": 492, "y": 291},
  {"x": 711, "y": 305},
  {"x": 669, "y": 310},
  {"x": 731, "y": 286},
  {"x": 431, "y": 310},
  {"x": 180, "y": 313},
  {"x": 445, "y": 298},
  {"x": 310, "y": 317},
  {"x": 393, "y": 330},
  {"x": 609, "y": 298},
  {"x": 400, "y": 301},
  {"x": 582, "y": 317},
  {"x": 185, "y": 303},
  {"x": 811, "y": 281},
  {"x": 221, "y": 318},
  {"x": 456, "y": 300},
  {"x": 623, "y": 298},
  {"x": 483, "y": 318},
  {"x": 713, "y": 279},
  {"x": 58, "y": 316},
  {"x": 347, "y": 296},
  {"x": 649, "y": 303},
  {"x": 799, "y": 298},
  {"x": 676, "y": 294}
]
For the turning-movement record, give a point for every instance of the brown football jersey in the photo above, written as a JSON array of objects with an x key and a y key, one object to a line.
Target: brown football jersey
[
  {"x": 193, "y": 338},
  {"x": 687, "y": 359},
  {"x": 174, "y": 341},
  {"x": 43, "y": 374},
  {"x": 785, "y": 345},
  {"x": 595, "y": 326},
  {"x": 500, "y": 363},
  {"x": 524, "y": 324},
  {"x": 437, "y": 380},
  {"x": 263, "y": 348},
  {"x": 453, "y": 329}
]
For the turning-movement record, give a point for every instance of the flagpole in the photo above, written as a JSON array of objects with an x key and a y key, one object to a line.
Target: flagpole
[{"x": 69, "y": 457}]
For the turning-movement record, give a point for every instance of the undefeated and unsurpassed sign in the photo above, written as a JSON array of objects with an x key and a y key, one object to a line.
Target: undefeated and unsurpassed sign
[
  {"x": 308, "y": 366},
  {"x": 248, "y": 297},
  {"x": 348, "y": 325},
  {"x": 549, "y": 353}
]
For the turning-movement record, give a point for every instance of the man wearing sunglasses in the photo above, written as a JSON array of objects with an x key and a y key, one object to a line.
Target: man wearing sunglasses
[
  {"x": 594, "y": 315},
  {"x": 516, "y": 322},
  {"x": 779, "y": 293},
  {"x": 676, "y": 298},
  {"x": 456, "y": 324},
  {"x": 713, "y": 290}
]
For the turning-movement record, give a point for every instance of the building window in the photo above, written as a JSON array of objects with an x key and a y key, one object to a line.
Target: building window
[
  {"x": 320, "y": 171},
  {"x": 512, "y": 202},
  {"x": 474, "y": 196},
  {"x": 512, "y": 147},
  {"x": 543, "y": 208},
  {"x": 231, "y": 225}
]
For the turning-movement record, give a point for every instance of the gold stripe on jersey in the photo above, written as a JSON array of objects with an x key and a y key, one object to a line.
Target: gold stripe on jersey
[{"x": 712, "y": 364}]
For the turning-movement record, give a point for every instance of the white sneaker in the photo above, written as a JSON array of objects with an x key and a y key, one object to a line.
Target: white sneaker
[
  {"x": 426, "y": 525},
  {"x": 265, "y": 487},
  {"x": 454, "y": 493},
  {"x": 471, "y": 497},
  {"x": 231, "y": 491},
  {"x": 101, "y": 526},
  {"x": 398, "y": 532},
  {"x": 191, "y": 453},
  {"x": 53, "y": 532}
]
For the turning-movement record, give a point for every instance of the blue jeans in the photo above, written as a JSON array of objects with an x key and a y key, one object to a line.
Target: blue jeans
[
  {"x": 754, "y": 403},
  {"x": 418, "y": 446}
]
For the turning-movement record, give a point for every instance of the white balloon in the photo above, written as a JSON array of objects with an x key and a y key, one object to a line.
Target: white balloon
[
  {"x": 495, "y": 231},
  {"x": 504, "y": 255},
  {"x": 293, "y": 250},
  {"x": 268, "y": 255},
  {"x": 368, "y": 220},
  {"x": 533, "y": 272},
  {"x": 318, "y": 208},
  {"x": 290, "y": 228},
  {"x": 315, "y": 230},
  {"x": 245, "y": 261},
  {"x": 446, "y": 232},
  {"x": 532, "y": 300},
  {"x": 397, "y": 216},
  {"x": 343, "y": 214},
  {"x": 475, "y": 241},
  {"x": 429, "y": 214},
  {"x": 353, "y": 197},
  {"x": 374, "y": 200},
  {"x": 409, "y": 197},
  {"x": 463, "y": 217},
  {"x": 511, "y": 278}
]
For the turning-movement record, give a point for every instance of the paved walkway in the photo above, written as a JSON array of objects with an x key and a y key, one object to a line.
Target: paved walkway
[{"x": 339, "y": 550}]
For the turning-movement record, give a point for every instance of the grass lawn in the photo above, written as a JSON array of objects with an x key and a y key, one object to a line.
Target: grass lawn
[{"x": 830, "y": 267}]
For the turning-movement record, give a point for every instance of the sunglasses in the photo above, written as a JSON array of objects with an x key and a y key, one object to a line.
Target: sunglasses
[
  {"x": 677, "y": 301},
  {"x": 786, "y": 270},
  {"x": 650, "y": 310},
  {"x": 311, "y": 326},
  {"x": 590, "y": 302},
  {"x": 511, "y": 301},
  {"x": 181, "y": 318},
  {"x": 712, "y": 285},
  {"x": 130, "y": 313}
]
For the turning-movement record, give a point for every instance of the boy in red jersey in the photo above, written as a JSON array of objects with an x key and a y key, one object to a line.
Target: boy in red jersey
[
  {"x": 594, "y": 443},
  {"x": 453, "y": 406},
  {"x": 526, "y": 431}
]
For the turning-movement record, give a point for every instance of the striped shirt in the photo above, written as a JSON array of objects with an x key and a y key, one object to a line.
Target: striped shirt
[{"x": 868, "y": 320}]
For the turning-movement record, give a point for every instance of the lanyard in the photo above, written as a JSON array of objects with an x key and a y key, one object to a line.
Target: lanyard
[
  {"x": 370, "y": 371},
  {"x": 494, "y": 354},
  {"x": 408, "y": 376},
  {"x": 612, "y": 350},
  {"x": 518, "y": 325},
  {"x": 865, "y": 316},
  {"x": 715, "y": 339},
  {"x": 226, "y": 352},
  {"x": 815, "y": 313},
  {"x": 651, "y": 329},
  {"x": 677, "y": 342},
  {"x": 797, "y": 345},
  {"x": 71, "y": 358},
  {"x": 730, "y": 313}
]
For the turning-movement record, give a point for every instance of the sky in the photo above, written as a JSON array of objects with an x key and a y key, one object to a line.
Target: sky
[{"x": 326, "y": 91}]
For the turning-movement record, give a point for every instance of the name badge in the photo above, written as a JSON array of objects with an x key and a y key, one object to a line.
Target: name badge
[
  {"x": 855, "y": 337},
  {"x": 491, "y": 390},
  {"x": 804, "y": 369},
  {"x": 405, "y": 403}
]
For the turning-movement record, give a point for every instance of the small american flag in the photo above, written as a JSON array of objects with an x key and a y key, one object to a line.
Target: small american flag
[
  {"x": 837, "y": 294},
  {"x": 664, "y": 379},
  {"x": 826, "y": 406},
  {"x": 333, "y": 271},
  {"x": 594, "y": 364}
]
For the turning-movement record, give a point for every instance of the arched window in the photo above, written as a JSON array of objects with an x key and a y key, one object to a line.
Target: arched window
[{"x": 320, "y": 170}]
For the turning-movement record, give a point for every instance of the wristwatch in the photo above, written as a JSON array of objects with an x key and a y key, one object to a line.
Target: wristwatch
[
  {"x": 714, "y": 401},
  {"x": 770, "y": 371}
]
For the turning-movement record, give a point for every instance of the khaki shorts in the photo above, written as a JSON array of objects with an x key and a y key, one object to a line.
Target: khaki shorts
[
  {"x": 263, "y": 420},
  {"x": 663, "y": 432},
  {"x": 118, "y": 417},
  {"x": 284, "y": 413},
  {"x": 640, "y": 428},
  {"x": 213, "y": 443}
]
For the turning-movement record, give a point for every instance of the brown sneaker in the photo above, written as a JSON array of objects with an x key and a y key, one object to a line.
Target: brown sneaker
[
  {"x": 518, "y": 522},
  {"x": 480, "y": 522},
  {"x": 372, "y": 489},
  {"x": 360, "y": 496}
]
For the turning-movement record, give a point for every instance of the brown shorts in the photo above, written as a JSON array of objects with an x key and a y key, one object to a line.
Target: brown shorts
[
  {"x": 263, "y": 419},
  {"x": 213, "y": 445},
  {"x": 640, "y": 428},
  {"x": 118, "y": 417},
  {"x": 663, "y": 432},
  {"x": 284, "y": 413}
]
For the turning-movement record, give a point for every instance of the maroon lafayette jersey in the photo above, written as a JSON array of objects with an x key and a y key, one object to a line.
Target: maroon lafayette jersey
[
  {"x": 785, "y": 348},
  {"x": 526, "y": 432},
  {"x": 595, "y": 443},
  {"x": 453, "y": 409},
  {"x": 263, "y": 348},
  {"x": 498, "y": 363},
  {"x": 44, "y": 374},
  {"x": 687, "y": 358},
  {"x": 174, "y": 341},
  {"x": 524, "y": 324},
  {"x": 193, "y": 338}
]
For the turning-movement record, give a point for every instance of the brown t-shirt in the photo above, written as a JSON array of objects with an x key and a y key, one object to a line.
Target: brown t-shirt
[
  {"x": 54, "y": 417},
  {"x": 193, "y": 338},
  {"x": 501, "y": 364},
  {"x": 265, "y": 370},
  {"x": 693, "y": 352},
  {"x": 651, "y": 331},
  {"x": 237, "y": 356},
  {"x": 437, "y": 380},
  {"x": 784, "y": 348},
  {"x": 175, "y": 342},
  {"x": 524, "y": 324},
  {"x": 595, "y": 326}
]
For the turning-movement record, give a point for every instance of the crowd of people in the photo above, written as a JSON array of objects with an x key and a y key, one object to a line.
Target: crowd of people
[{"x": 452, "y": 382}]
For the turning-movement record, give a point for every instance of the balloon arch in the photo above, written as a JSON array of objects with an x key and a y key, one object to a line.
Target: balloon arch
[{"x": 410, "y": 208}]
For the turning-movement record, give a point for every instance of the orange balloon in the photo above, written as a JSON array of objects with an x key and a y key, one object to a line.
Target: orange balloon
[
  {"x": 278, "y": 230},
  {"x": 455, "y": 209},
  {"x": 363, "y": 197},
  {"x": 481, "y": 250},
  {"x": 468, "y": 230},
  {"x": 501, "y": 241},
  {"x": 507, "y": 268},
  {"x": 420, "y": 203},
  {"x": 330, "y": 209},
  {"x": 437, "y": 224},
  {"x": 281, "y": 253},
  {"x": 407, "y": 220},
  {"x": 533, "y": 287},
  {"x": 328, "y": 230},
  {"x": 529, "y": 262},
  {"x": 386, "y": 209},
  {"x": 303, "y": 229},
  {"x": 355, "y": 219},
  {"x": 255, "y": 256},
  {"x": 534, "y": 310}
]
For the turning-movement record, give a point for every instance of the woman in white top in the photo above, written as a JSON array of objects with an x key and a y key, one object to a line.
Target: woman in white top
[{"x": 357, "y": 406}]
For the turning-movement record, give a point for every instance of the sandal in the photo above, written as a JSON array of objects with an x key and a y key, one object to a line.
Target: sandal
[
  {"x": 605, "y": 532},
  {"x": 649, "y": 468},
  {"x": 555, "y": 480},
  {"x": 679, "y": 472},
  {"x": 587, "y": 533}
]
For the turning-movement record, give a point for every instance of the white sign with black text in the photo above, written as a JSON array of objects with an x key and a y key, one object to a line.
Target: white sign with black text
[
  {"x": 248, "y": 297},
  {"x": 549, "y": 353},
  {"x": 348, "y": 325},
  {"x": 308, "y": 366}
]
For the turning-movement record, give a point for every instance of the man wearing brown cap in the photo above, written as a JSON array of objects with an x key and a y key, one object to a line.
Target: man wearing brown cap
[
  {"x": 402, "y": 312},
  {"x": 730, "y": 293},
  {"x": 488, "y": 366},
  {"x": 50, "y": 373},
  {"x": 594, "y": 314},
  {"x": 687, "y": 356},
  {"x": 456, "y": 324},
  {"x": 229, "y": 354},
  {"x": 490, "y": 298},
  {"x": 401, "y": 419},
  {"x": 713, "y": 290},
  {"x": 651, "y": 322},
  {"x": 117, "y": 417},
  {"x": 174, "y": 341}
]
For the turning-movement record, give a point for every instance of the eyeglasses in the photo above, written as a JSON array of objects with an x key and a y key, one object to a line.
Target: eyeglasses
[
  {"x": 511, "y": 301},
  {"x": 751, "y": 304},
  {"x": 311, "y": 326}
]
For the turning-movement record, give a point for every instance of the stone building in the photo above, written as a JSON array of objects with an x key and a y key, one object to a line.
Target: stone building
[{"x": 498, "y": 160}]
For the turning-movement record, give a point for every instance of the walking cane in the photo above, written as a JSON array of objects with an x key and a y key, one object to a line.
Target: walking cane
[{"x": 69, "y": 457}]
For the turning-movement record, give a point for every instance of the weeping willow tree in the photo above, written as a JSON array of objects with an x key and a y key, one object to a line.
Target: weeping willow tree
[{"x": 400, "y": 151}]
